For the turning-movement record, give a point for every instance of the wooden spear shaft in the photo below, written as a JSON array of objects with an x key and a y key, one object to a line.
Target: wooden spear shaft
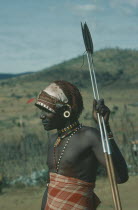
[
  {"x": 106, "y": 148},
  {"x": 108, "y": 166},
  {"x": 118, "y": 201},
  {"x": 110, "y": 180}
]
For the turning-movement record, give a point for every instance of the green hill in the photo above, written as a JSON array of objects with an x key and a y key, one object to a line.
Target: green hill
[
  {"x": 113, "y": 66},
  {"x": 8, "y": 75}
]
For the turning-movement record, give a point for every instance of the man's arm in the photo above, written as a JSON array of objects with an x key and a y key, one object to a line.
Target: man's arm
[{"x": 119, "y": 163}]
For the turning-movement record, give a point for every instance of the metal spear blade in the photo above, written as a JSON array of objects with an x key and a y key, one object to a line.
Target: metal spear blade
[{"x": 87, "y": 38}]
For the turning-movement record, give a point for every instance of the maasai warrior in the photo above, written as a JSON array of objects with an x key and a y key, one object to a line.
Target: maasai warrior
[{"x": 75, "y": 150}]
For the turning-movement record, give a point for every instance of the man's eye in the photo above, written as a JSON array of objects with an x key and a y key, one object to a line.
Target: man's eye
[{"x": 47, "y": 111}]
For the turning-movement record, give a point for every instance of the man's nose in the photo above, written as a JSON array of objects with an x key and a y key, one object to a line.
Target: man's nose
[{"x": 42, "y": 116}]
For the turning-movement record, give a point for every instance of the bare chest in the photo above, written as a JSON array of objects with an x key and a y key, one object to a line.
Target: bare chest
[{"x": 69, "y": 154}]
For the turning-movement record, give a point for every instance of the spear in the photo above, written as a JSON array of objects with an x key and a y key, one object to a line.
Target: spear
[{"x": 105, "y": 144}]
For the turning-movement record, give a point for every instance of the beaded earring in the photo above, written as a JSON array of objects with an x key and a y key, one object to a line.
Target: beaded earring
[{"x": 66, "y": 114}]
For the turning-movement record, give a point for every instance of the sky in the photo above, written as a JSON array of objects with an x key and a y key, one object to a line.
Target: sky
[{"x": 35, "y": 34}]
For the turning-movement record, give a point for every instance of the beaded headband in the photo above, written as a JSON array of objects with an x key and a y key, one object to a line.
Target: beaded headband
[{"x": 51, "y": 98}]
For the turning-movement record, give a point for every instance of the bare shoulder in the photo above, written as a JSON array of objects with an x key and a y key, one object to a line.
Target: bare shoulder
[
  {"x": 91, "y": 134},
  {"x": 90, "y": 131}
]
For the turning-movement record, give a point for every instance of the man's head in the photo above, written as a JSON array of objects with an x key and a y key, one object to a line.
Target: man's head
[{"x": 63, "y": 99}]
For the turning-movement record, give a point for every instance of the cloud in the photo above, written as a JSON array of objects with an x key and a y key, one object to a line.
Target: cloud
[
  {"x": 86, "y": 7},
  {"x": 127, "y": 7},
  {"x": 117, "y": 3},
  {"x": 127, "y": 10},
  {"x": 133, "y": 3}
]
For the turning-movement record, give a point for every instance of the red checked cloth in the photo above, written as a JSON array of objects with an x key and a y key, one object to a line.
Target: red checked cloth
[{"x": 69, "y": 193}]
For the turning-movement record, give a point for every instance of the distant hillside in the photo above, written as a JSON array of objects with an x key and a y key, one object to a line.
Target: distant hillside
[
  {"x": 7, "y": 76},
  {"x": 113, "y": 67}
]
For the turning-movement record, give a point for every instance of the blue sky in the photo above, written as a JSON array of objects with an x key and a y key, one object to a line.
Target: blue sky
[{"x": 35, "y": 34}]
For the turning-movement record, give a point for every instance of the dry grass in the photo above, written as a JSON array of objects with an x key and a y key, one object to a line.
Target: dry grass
[
  {"x": 128, "y": 193},
  {"x": 13, "y": 107},
  {"x": 30, "y": 198}
]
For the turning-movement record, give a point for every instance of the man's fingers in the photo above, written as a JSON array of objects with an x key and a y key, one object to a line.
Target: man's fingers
[
  {"x": 99, "y": 104},
  {"x": 102, "y": 110},
  {"x": 99, "y": 107},
  {"x": 101, "y": 101}
]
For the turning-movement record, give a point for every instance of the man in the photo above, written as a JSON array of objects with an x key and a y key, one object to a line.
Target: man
[{"x": 75, "y": 151}]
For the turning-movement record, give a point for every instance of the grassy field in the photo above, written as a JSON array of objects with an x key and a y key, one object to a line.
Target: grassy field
[
  {"x": 30, "y": 198},
  {"x": 15, "y": 110}
]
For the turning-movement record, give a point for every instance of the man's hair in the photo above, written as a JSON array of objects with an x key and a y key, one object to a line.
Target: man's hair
[{"x": 74, "y": 98}]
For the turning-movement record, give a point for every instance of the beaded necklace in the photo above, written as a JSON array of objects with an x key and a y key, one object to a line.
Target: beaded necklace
[
  {"x": 65, "y": 146},
  {"x": 69, "y": 127},
  {"x": 69, "y": 130}
]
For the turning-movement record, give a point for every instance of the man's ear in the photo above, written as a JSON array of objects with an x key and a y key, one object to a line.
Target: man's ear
[
  {"x": 67, "y": 111},
  {"x": 64, "y": 109}
]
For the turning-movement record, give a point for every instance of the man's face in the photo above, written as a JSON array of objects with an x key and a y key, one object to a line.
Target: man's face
[{"x": 51, "y": 120}]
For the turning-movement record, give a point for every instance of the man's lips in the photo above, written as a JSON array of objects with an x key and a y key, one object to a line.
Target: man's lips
[{"x": 45, "y": 122}]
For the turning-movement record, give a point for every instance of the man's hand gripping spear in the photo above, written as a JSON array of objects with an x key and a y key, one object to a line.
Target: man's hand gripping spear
[{"x": 102, "y": 119}]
